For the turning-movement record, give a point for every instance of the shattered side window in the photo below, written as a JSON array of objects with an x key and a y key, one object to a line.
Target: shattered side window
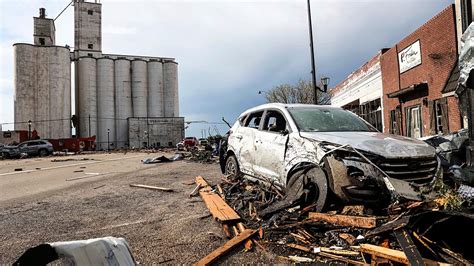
[
  {"x": 253, "y": 121},
  {"x": 318, "y": 119},
  {"x": 274, "y": 121},
  {"x": 242, "y": 120}
]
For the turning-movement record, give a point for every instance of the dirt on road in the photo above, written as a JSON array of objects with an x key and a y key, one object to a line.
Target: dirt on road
[{"x": 160, "y": 227}]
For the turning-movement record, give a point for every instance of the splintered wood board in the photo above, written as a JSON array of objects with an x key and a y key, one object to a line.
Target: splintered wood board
[
  {"x": 237, "y": 240},
  {"x": 344, "y": 220},
  {"x": 215, "y": 203}
]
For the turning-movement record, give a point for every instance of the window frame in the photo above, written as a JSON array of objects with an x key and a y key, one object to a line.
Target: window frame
[
  {"x": 264, "y": 117},
  {"x": 250, "y": 115}
]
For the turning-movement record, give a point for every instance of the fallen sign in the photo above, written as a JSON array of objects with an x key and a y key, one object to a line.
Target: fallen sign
[
  {"x": 215, "y": 203},
  {"x": 152, "y": 187},
  {"x": 344, "y": 220}
]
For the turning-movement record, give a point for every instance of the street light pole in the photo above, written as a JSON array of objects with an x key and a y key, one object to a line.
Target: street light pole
[
  {"x": 29, "y": 129},
  {"x": 313, "y": 65},
  {"x": 108, "y": 139}
]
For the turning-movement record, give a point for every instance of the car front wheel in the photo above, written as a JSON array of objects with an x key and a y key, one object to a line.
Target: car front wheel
[
  {"x": 313, "y": 184},
  {"x": 232, "y": 167},
  {"x": 43, "y": 153}
]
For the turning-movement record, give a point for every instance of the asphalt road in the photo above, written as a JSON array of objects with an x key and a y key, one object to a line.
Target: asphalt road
[
  {"x": 49, "y": 202},
  {"x": 46, "y": 175}
]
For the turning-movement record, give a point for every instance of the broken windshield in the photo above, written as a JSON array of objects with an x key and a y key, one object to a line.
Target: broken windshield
[{"x": 320, "y": 119}]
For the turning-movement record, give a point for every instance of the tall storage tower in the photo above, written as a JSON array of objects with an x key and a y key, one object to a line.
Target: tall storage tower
[
  {"x": 111, "y": 89},
  {"x": 42, "y": 78}
]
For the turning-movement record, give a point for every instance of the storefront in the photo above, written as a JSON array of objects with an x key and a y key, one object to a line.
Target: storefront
[
  {"x": 361, "y": 92},
  {"x": 417, "y": 75}
]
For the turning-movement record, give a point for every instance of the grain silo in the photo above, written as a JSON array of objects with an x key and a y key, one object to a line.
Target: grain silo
[
  {"x": 139, "y": 88},
  {"x": 105, "y": 104},
  {"x": 155, "y": 88},
  {"x": 42, "y": 89},
  {"x": 123, "y": 100},
  {"x": 170, "y": 89},
  {"x": 86, "y": 96}
]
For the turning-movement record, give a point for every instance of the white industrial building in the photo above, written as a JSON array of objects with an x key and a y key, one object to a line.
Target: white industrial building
[
  {"x": 361, "y": 92},
  {"x": 109, "y": 88}
]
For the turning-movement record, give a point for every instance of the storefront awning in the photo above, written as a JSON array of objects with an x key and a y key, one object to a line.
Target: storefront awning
[{"x": 412, "y": 88}]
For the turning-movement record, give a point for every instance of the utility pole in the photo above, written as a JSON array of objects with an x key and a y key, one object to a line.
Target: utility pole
[
  {"x": 89, "y": 126},
  {"x": 313, "y": 65}
]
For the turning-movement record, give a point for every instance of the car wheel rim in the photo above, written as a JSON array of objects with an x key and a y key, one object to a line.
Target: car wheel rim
[{"x": 230, "y": 169}]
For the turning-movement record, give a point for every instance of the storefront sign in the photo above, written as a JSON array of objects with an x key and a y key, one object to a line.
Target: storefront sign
[{"x": 409, "y": 57}]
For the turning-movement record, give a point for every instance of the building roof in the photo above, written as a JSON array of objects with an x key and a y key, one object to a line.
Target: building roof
[{"x": 452, "y": 82}]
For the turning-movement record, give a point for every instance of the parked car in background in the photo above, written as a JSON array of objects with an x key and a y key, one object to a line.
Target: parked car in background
[
  {"x": 32, "y": 148},
  {"x": 190, "y": 141},
  {"x": 203, "y": 142},
  {"x": 324, "y": 150}
]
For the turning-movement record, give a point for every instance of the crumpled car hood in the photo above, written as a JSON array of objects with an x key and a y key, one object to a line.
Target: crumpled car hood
[{"x": 386, "y": 145}]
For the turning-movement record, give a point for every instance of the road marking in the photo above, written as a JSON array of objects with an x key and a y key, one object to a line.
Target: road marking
[{"x": 69, "y": 165}]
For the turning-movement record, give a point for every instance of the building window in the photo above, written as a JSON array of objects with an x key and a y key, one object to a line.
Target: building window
[
  {"x": 372, "y": 113},
  {"x": 90, "y": 46},
  {"x": 42, "y": 42},
  {"x": 466, "y": 13},
  {"x": 89, "y": 54},
  {"x": 439, "y": 116},
  {"x": 90, "y": 12},
  {"x": 413, "y": 121}
]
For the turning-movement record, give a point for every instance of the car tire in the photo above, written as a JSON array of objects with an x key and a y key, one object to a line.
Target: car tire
[
  {"x": 43, "y": 153},
  {"x": 315, "y": 186},
  {"x": 232, "y": 167}
]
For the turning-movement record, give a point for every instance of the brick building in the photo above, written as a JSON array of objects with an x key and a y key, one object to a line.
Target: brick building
[
  {"x": 361, "y": 92},
  {"x": 419, "y": 77}
]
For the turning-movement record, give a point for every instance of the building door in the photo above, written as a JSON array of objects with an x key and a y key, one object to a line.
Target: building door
[{"x": 414, "y": 122}]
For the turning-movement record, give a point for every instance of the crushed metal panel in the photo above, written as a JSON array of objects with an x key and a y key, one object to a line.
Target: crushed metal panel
[
  {"x": 98, "y": 251},
  {"x": 466, "y": 55}
]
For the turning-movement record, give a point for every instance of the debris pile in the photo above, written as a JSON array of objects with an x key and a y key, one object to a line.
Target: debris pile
[{"x": 410, "y": 232}]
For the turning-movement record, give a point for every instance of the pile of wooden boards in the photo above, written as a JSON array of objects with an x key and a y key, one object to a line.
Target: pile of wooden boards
[{"x": 231, "y": 222}]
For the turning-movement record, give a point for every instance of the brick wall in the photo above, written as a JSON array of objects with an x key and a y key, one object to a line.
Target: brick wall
[{"x": 438, "y": 56}]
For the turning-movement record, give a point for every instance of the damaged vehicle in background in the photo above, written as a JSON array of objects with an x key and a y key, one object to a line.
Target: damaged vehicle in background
[
  {"x": 314, "y": 153},
  {"x": 38, "y": 147}
]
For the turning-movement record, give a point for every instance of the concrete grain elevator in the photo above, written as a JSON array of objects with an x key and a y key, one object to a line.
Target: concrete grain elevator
[{"x": 123, "y": 100}]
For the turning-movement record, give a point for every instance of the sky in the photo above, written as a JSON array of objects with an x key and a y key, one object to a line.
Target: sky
[{"x": 227, "y": 50}]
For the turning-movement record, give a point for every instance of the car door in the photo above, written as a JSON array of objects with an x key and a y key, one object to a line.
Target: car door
[
  {"x": 270, "y": 146},
  {"x": 242, "y": 141}
]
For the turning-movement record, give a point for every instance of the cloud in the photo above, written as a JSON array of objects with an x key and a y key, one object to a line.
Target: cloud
[{"x": 229, "y": 50}]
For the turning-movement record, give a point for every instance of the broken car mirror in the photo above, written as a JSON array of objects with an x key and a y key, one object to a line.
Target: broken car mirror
[{"x": 284, "y": 132}]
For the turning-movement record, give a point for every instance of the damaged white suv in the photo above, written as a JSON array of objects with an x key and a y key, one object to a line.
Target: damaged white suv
[{"x": 316, "y": 151}]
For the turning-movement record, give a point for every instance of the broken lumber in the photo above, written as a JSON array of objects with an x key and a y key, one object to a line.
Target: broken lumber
[
  {"x": 327, "y": 255},
  {"x": 152, "y": 187},
  {"x": 392, "y": 254},
  {"x": 344, "y": 220},
  {"x": 246, "y": 234},
  {"x": 219, "y": 209}
]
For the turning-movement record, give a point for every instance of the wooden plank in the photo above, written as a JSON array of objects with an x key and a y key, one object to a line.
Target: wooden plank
[
  {"x": 219, "y": 209},
  {"x": 408, "y": 247},
  {"x": 152, "y": 187},
  {"x": 392, "y": 254},
  {"x": 327, "y": 255},
  {"x": 226, "y": 247},
  {"x": 386, "y": 253},
  {"x": 344, "y": 220}
]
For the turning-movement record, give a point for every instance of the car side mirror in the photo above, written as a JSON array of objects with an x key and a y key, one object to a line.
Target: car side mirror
[{"x": 284, "y": 132}]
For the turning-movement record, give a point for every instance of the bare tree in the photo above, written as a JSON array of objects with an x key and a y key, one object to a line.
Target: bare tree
[{"x": 301, "y": 92}]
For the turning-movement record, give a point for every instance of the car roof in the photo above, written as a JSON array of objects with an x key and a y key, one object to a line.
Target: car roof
[{"x": 284, "y": 106}]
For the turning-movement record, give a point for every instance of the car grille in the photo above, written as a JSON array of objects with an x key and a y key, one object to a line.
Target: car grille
[{"x": 419, "y": 170}]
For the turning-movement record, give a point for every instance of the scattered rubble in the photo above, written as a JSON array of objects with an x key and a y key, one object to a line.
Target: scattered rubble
[
  {"x": 163, "y": 159},
  {"x": 406, "y": 232}
]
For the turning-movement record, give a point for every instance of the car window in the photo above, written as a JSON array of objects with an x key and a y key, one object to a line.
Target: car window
[
  {"x": 274, "y": 122},
  {"x": 254, "y": 119},
  {"x": 242, "y": 120},
  {"x": 33, "y": 143},
  {"x": 321, "y": 119}
]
